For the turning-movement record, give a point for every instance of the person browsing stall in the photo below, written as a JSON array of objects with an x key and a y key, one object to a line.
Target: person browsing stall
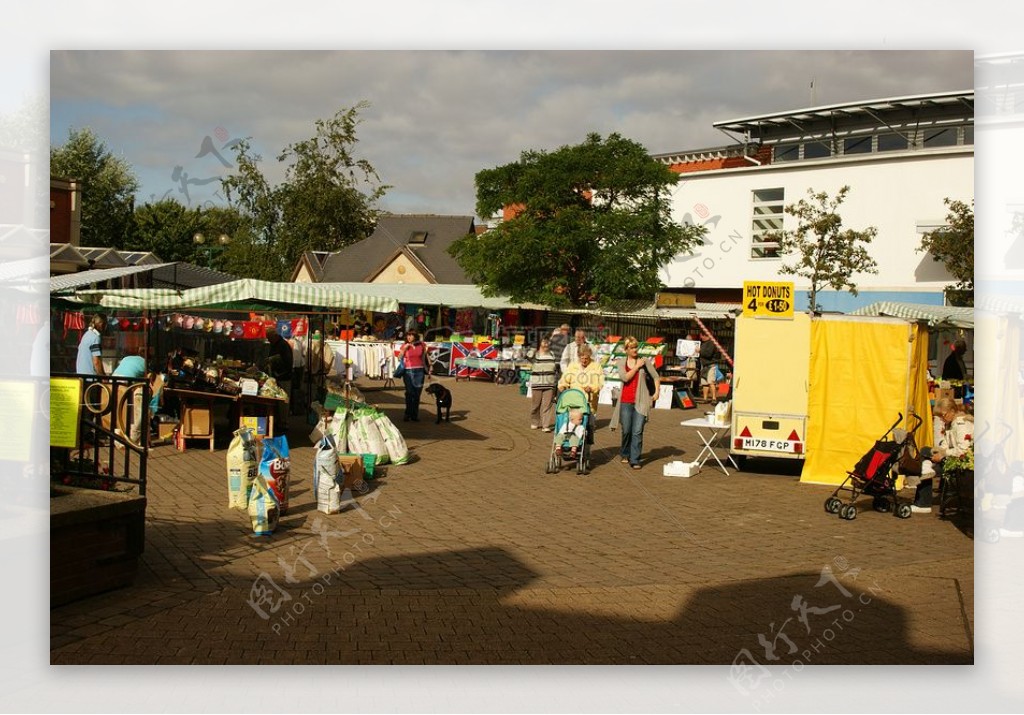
[
  {"x": 634, "y": 405},
  {"x": 542, "y": 386},
  {"x": 584, "y": 374},
  {"x": 88, "y": 361},
  {"x": 572, "y": 350},
  {"x": 414, "y": 354}
]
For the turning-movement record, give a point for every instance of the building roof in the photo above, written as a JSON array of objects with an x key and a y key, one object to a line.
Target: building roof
[
  {"x": 72, "y": 281},
  {"x": 426, "y": 237},
  {"x": 918, "y": 111},
  {"x": 140, "y": 258},
  {"x": 102, "y": 257}
]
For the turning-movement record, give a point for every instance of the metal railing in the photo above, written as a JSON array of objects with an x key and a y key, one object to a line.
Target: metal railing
[{"x": 105, "y": 453}]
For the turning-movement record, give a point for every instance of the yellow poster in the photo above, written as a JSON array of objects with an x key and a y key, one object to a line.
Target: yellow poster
[
  {"x": 768, "y": 299},
  {"x": 65, "y": 408},
  {"x": 17, "y": 398}
]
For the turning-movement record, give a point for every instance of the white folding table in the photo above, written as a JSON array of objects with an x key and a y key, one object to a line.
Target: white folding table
[{"x": 709, "y": 433}]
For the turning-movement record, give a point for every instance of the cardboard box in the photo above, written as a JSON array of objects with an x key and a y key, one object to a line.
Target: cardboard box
[
  {"x": 352, "y": 465},
  {"x": 165, "y": 430},
  {"x": 944, "y": 392},
  {"x": 258, "y": 425},
  {"x": 196, "y": 420}
]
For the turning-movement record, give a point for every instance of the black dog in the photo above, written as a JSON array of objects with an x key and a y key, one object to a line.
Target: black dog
[{"x": 443, "y": 400}]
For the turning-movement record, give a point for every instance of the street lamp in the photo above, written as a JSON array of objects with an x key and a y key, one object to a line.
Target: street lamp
[{"x": 222, "y": 241}]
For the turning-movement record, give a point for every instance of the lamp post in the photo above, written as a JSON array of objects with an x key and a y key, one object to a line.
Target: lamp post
[{"x": 222, "y": 242}]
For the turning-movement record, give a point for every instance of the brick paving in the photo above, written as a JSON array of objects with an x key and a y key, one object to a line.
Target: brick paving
[{"x": 472, "y": 554}]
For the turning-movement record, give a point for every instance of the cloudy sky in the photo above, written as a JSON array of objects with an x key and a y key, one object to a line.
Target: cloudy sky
[{"x": 437, "y": 117}]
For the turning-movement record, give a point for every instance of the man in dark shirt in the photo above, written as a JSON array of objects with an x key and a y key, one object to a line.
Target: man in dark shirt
[
  {"x": 954, "y": 368},
  {"x": 280, "y": 368}
]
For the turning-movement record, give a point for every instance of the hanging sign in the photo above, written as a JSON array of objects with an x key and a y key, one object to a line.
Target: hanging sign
[
  {"x": 768, "y": 299},
  {"x": 65, "y": 408}
]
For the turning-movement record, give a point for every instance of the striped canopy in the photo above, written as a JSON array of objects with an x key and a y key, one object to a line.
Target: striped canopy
[
  {"x": 933, "y": 315},
  {"x": 247, "y": 292}
]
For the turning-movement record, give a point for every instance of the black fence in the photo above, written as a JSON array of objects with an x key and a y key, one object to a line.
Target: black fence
[{"x": 108, "y": 450}]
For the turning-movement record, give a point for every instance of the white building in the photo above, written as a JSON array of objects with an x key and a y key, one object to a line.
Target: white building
[{"x": 901, "y": 157}]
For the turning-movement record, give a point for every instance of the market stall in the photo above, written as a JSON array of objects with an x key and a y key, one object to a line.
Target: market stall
[{"x": 217, "y": 337}]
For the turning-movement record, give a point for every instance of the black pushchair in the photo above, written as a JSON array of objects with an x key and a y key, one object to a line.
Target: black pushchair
[{"x": 875, "y": 476}]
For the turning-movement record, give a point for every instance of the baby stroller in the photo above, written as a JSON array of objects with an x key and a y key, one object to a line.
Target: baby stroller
[
  {"x": 874, "y": 475},
  {"x": 561, "y": 450}
]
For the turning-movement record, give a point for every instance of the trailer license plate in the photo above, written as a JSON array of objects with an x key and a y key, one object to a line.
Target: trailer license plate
[{"x": 769, "y": 445}]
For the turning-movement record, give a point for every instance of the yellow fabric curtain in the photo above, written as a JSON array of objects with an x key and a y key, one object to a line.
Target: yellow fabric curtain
[{"x": 863, "y": 375}]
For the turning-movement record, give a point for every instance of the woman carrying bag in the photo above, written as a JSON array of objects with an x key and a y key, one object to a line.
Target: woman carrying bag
[
  {"x": 413, "y": 356},
  {"x": 635, "y": 402}
]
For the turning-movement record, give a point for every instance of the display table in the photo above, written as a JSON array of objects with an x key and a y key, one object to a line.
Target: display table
[
  {"x": 197, "y": 411},
  {"x": 501, "y": 371},
  {"x": 710, "y": 433}
]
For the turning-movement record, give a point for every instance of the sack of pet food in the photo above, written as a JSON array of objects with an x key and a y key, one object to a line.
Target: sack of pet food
[
  {"x": 325, "y": 477},
  {"x": 366, "y": 426},
  {"x": 275, "y": 466},
  {"x": 242, "y": 465},
  {"x": 339, "y": 427},
  {"x": 264, "y": 510},
  {"x": 398, "y": 451}
]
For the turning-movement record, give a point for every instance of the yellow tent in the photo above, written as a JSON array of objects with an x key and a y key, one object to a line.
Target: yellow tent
[{"x": 864, "y": 373}]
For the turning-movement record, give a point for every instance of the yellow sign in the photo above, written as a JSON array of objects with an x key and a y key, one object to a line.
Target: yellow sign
[
  {"x": 17, "y": 398},
  {"x": 768, "y": 300},
  {"x": 65, "y": 408}
]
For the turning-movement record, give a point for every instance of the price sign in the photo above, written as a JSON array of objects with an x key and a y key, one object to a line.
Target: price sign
[{"x": 768, "y": 300}]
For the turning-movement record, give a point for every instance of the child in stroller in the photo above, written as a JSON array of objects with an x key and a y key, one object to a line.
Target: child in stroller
[{"x": 574, "y": 432}]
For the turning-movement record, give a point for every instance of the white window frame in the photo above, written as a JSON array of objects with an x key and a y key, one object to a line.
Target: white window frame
[{"x": 775, "y": 215}]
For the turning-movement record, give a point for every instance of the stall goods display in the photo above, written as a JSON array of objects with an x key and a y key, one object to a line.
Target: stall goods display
[
  {"x": 264, "y": 511},
  {"x": 242, "y": 467},
  {"x": 325, "y": 477},
  {"x": 275, "y": 468}
]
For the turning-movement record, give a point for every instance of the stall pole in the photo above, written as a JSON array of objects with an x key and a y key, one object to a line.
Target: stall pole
[{"x": 728, "y": 358}]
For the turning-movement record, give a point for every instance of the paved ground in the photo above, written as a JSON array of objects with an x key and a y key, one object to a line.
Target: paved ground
[{"x": 472, "y": 554}]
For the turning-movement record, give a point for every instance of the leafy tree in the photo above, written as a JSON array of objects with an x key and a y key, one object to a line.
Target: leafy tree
[
  {"x": 592, "y": 223},
  {"x": 326, "y": 201},
  {"x": 168, "y": 229},
  {"x": 827, "y": 255},
  {"x": 953, "y": 244},
  {"x": 108, "y": 187}
]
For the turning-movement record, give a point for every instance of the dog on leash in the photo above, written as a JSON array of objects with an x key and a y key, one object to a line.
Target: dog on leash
[{"x": 442, "y": 400}]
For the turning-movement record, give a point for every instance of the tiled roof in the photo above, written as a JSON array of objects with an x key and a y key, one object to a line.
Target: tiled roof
[{"x": 360, "y": 261}]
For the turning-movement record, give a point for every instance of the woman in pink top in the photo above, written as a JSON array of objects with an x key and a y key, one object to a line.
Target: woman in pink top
[{"x": 414, "y": 353}]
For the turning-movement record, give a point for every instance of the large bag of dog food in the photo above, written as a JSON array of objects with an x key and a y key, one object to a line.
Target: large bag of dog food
[
  {"x": 264, "y": 510},
  {"x": 275, "y": 466},
  {"x": 366, "y": 426},
  {"x": 325, "y": 477},
  {"x": 398, "y": 451},
  {"x": 242, "y": 467},
  {"x": 339, "y": 427}
]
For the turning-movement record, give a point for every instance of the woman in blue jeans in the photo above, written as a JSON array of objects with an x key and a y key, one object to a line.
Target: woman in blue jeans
[
  {"x": 635, "y": 402},
  {"x": 414, "y": 353}
]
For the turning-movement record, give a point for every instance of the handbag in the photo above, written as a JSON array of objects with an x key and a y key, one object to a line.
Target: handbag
[
  {"x": 400, "y": 368},
  {"x": 649, "y": 379},
  {"x": 911, "y": 458}
]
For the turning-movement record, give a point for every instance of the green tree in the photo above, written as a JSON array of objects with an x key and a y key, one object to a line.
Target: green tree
[
  {"x": 326, "y": 201},
  {"x": 953, "y": 245},
  {"x": 592, "y": 223},
  {"x": 168, "y": 229},
  {"x": 827, "y": 254},
  {"x": 108, "y": 187}
]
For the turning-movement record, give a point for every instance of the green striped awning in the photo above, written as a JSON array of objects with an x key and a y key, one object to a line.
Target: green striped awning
[
  {"x": 933, "y": 315},
  {"x": 246, "y": 292}
]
